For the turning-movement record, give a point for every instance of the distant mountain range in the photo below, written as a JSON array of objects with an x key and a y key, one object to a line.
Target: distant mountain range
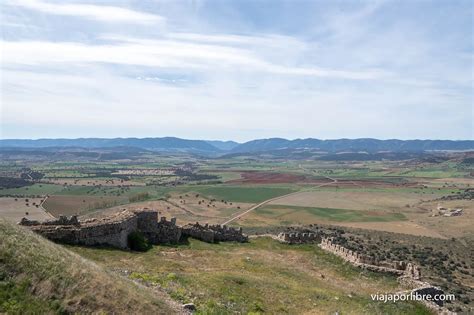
[
  {"x": 172, "y": 144},
  {"x": 354, "y": 145}
]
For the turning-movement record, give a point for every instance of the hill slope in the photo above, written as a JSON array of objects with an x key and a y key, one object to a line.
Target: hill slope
[{"x": 38, "y": 276}]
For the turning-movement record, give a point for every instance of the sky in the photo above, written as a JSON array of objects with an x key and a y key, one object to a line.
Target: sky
[{"x": 237, "y": 70}]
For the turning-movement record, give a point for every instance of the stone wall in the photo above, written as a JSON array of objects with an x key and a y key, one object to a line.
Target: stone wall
[
  {"x": 111, "y": 231},
  {"x": 409, "y": 274},
  {"x": 214, "y": 233},
  {"x": 397, "y": 268},
  {"x": 63, "y": 220},
  {"x": 298, "y": 238}
]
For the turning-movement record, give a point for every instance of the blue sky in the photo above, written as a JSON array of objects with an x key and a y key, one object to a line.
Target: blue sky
[{"x": 237, "y": 70}]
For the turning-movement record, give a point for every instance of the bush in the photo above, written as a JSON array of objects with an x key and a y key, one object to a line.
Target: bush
[{"x": 138, "y": 242}]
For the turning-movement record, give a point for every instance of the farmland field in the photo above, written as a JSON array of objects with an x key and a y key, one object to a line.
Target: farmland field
[
  {"x": 331, "y": 214},
  {"x": 254, "y": 194},
  {"x": 75, "y": 205},
  {"x": 356, "y": 199},
  {"x": 378, "y": 195},
  {"x": 13, "y": 209},
  {"x": 35, "y": 189}
]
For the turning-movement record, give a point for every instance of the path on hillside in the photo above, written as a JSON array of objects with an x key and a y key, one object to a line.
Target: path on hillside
[
  {"x": 43, "y": 208},
  {"x": 276, "y": 198}
]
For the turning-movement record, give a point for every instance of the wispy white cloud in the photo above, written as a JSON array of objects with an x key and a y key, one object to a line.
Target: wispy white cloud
[
  {"x": 357, "y": 70},
  {"x": 162, "y": 53},
  {"x": 102, "y": 13}
]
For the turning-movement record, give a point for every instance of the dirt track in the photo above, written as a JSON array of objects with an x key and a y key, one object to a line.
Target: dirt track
[{"x": 270, "y": 200}]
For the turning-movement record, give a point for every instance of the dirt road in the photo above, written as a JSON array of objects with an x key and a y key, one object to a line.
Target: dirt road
[{"x": 276, "y": 198}]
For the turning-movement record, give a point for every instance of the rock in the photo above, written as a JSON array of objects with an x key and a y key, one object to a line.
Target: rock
[{"x": 189, "y": 307}]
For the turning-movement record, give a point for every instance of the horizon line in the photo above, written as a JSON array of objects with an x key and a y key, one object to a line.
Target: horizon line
[{"x": 239, "y": 142}]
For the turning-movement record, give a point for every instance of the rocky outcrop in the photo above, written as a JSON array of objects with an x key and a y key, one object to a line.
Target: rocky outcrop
[
  {"x": 111, "y": 231},
  {"x": 214, "y": 233}
]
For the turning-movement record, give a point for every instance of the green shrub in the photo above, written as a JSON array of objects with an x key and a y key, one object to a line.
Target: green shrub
[{"x": 138, "y": 242}]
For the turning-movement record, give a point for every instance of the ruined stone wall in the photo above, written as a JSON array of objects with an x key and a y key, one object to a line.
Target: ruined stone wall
[
  {"x": 298, "y": 238},
  {"x": 63, "y": 220},
  {"x": 214, "y": 233},
  {"x": 165, "y": 232},
  {"x": 107, "y": 233},
  {"x": 111, "y": 231},
  {"x": 409, "y": 274},
  {"x": 366, "y": 262}
]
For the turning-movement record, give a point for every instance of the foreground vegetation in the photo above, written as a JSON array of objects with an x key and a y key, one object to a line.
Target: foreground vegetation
[
  {"x": 40, "y": 277},
  {"x": 262, "y": 276}
]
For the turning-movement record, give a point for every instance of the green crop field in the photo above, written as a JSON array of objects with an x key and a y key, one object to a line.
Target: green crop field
[
  {"x": 36, "y": 189},
  {"x": 251, "y": 194}
]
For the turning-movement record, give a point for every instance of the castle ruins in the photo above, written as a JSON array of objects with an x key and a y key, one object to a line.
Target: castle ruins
[
  {"x": 409, "y": 274},
  {"x": 214, "y": 233},
  {"x": 114, "y": 230},
  {"x": 400, "y": 268},
  {"x": 298, "y": 238}
]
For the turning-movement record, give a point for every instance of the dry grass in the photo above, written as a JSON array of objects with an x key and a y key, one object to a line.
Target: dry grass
[
  {"x": 355, "y": 200},
  {"x": 38, "y": 276},
  {"x": 13, "y": 210},
  {"x": 258, "y": 277},
  {"x": 403, "y": 227},
  {"x": 70, "y": 204},
  {"x": 186, "y": 209},
  {"x": 459, "y": 226}
]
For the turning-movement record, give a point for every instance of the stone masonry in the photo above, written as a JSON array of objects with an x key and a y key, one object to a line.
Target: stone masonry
[
  {"x": 214, "y": 233},
  {"x": 366, "y": 262},
  {"x": 409, "y": 274},
  {"x": 298, "y": 238},
  {"x": 112, "y": 231}
]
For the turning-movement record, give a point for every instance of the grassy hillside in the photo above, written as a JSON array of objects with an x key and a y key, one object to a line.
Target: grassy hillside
[
  {"x": 259, "y": 277},
  {"x": 38, "y": 276}
]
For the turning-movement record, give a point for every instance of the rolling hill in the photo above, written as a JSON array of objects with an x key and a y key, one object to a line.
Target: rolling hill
[{"x": 40, "y": 277}]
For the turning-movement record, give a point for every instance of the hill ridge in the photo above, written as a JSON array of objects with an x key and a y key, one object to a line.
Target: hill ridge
[{"x": 174, "y": 144}]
